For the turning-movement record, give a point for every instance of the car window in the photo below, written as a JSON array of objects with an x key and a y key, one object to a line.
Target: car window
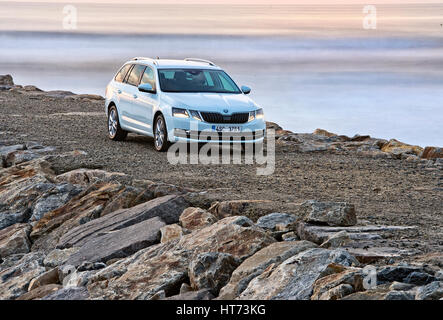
[
  {"x": 196, "y": 80},
  {"x": 148, "y": 77},
  {"x": 134, "y": 76},
  {"x": 122, "y": 73}
]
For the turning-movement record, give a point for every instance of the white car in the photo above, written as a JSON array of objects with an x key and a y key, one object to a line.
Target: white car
[{"x": 190, "y": 100}]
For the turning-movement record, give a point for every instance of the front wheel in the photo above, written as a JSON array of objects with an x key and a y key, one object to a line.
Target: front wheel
[
  {"x": 160, "y": 134},
  {"x": 115, "y": 132}
]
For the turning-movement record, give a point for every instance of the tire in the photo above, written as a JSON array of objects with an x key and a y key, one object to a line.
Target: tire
[
  {"x": 115, "y": 132},
  {"x": 161, "y": 142}
]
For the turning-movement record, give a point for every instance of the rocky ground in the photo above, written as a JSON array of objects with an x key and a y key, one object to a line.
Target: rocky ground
[{"x": 82, "y": 217}]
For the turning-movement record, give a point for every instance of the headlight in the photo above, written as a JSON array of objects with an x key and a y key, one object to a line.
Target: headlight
[
  {"x": 180, "y": 113},
  {"x": 259, "y": 114},
  {"x": 195, "y": 114}
]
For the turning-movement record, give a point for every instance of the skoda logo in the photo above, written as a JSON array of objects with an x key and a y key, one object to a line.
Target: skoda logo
[{"x": 225, "y": 110}]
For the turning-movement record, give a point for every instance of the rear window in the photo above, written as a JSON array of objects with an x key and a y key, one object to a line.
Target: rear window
[{"x": 122, "y": 73}]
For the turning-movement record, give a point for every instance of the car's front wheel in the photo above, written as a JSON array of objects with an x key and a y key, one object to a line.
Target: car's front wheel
[
  {"x": 160, "y": 134},
  {"x": 115, "y": 132}
]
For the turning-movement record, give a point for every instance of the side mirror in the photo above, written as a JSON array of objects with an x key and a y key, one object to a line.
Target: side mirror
[
  {"x": 245, "y": 89},
  {"x": 146, "y": 87}
]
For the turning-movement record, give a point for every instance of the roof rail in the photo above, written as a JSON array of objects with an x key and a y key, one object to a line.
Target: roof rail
[
  {"x": 200, "y": 60},
  {"x": 144, "y": 58}
]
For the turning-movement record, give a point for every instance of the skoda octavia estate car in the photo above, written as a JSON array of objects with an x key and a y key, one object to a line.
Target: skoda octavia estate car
[{"x": 189, "y": 100}]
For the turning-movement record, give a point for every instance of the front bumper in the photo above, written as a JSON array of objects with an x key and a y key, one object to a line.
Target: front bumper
[{"x": 186, "y": 130}]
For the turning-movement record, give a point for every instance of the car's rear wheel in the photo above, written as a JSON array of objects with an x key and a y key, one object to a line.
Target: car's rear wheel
[
  {"x": 115, "y": 132},
  {"x": 161, "y": 142}
]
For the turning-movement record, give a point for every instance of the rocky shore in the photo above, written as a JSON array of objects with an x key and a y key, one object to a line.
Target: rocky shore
[{"x": 85, "y": 218}]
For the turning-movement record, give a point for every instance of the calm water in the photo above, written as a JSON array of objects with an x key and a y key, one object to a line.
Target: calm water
[{"x": 309, "y": 67}]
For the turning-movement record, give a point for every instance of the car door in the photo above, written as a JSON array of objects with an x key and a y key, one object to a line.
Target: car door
[
  {"x": 130, "y": 116},
  {"x": 118, "y": 85},
  {"x": 146, "y": 101}
]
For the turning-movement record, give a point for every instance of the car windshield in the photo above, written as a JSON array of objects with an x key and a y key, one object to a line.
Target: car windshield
[{"x": 196, "y": 80}]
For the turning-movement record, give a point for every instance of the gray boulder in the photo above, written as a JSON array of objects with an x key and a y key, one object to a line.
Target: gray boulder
[
  {"x": 294, "y": 279},
  {"x": 52, "y": 199},
  {"x": 167, "y": 208},
  {"x": 15, "y": 280},
  {"x": 270, "y": 221},
  {"x": 330, "y": 213},
  {"x": 119, "y": 243},
  {"x": 432, "y": 291},
  {"x": 58, "y": 257},
  {"x": 211, "y": 270},
  {"x": 274, "y": 254},
  {"x": 15, "y": 239}
]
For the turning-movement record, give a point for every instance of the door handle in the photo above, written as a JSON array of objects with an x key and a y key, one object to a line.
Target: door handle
[
  {"x": 119, "y": 91},
  {"x": 135, "y": 96}
]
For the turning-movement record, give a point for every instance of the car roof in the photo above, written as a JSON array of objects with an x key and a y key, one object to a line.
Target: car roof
[{"x": 172, "y": 63}]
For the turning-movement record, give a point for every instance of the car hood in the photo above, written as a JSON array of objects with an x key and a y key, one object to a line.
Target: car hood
[{"x": 212, "y": 102}]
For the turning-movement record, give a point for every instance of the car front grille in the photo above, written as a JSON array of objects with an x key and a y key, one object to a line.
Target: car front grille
[{"x": 215, "y": 117}]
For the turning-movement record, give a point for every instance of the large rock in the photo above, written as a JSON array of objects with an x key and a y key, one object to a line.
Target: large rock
[
  {"x": 403, "y": 273},
  {"x": 5, "y": 150},
  {"x": 338, "y": 285},
  {"x": 144, "y": 277},
  {"x": 211, "y": 270},
  {"x": 164, "y": 267},
  {"x": 20, "y": 156},
  {"x": 196, "y": 218},
  {"x": 90, "y": 204},
  {"x": 118, "y": 243},
  {"x": 330, "y": 213},
  {"x": 432, "y": 153},
  {"x": 323, "y": 132},
  {"x": 86, "y": 177},
  {"x": 253, "y": 266},
  {"x": 14, "y": 280},
  {"x": 397, "y": 147},
  {"x": 167, "y": 208},
  {"x": 432, "y": 291},
  {"x": 234, "y": 235},
  {"x": 369, "y": 252},
  {"x": 294, "y": 278},
  {"x": 40, "y": 292},
  {"x": 52, "y": 199},
  {"x": 272, "y": 220},
  {"x": 320, "y": 234},
  {"x": 49, "y": 277},
  {"x": 6, "y": 80},
  {"x": 14, "y": 239},
  {"x": 336, "y": 240},
  {"x": 58, "y": 257},
  {"x": 20, "y": 186}
]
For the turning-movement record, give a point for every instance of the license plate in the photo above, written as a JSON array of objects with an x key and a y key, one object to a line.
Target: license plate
[{"x": 226, "y": 129}]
